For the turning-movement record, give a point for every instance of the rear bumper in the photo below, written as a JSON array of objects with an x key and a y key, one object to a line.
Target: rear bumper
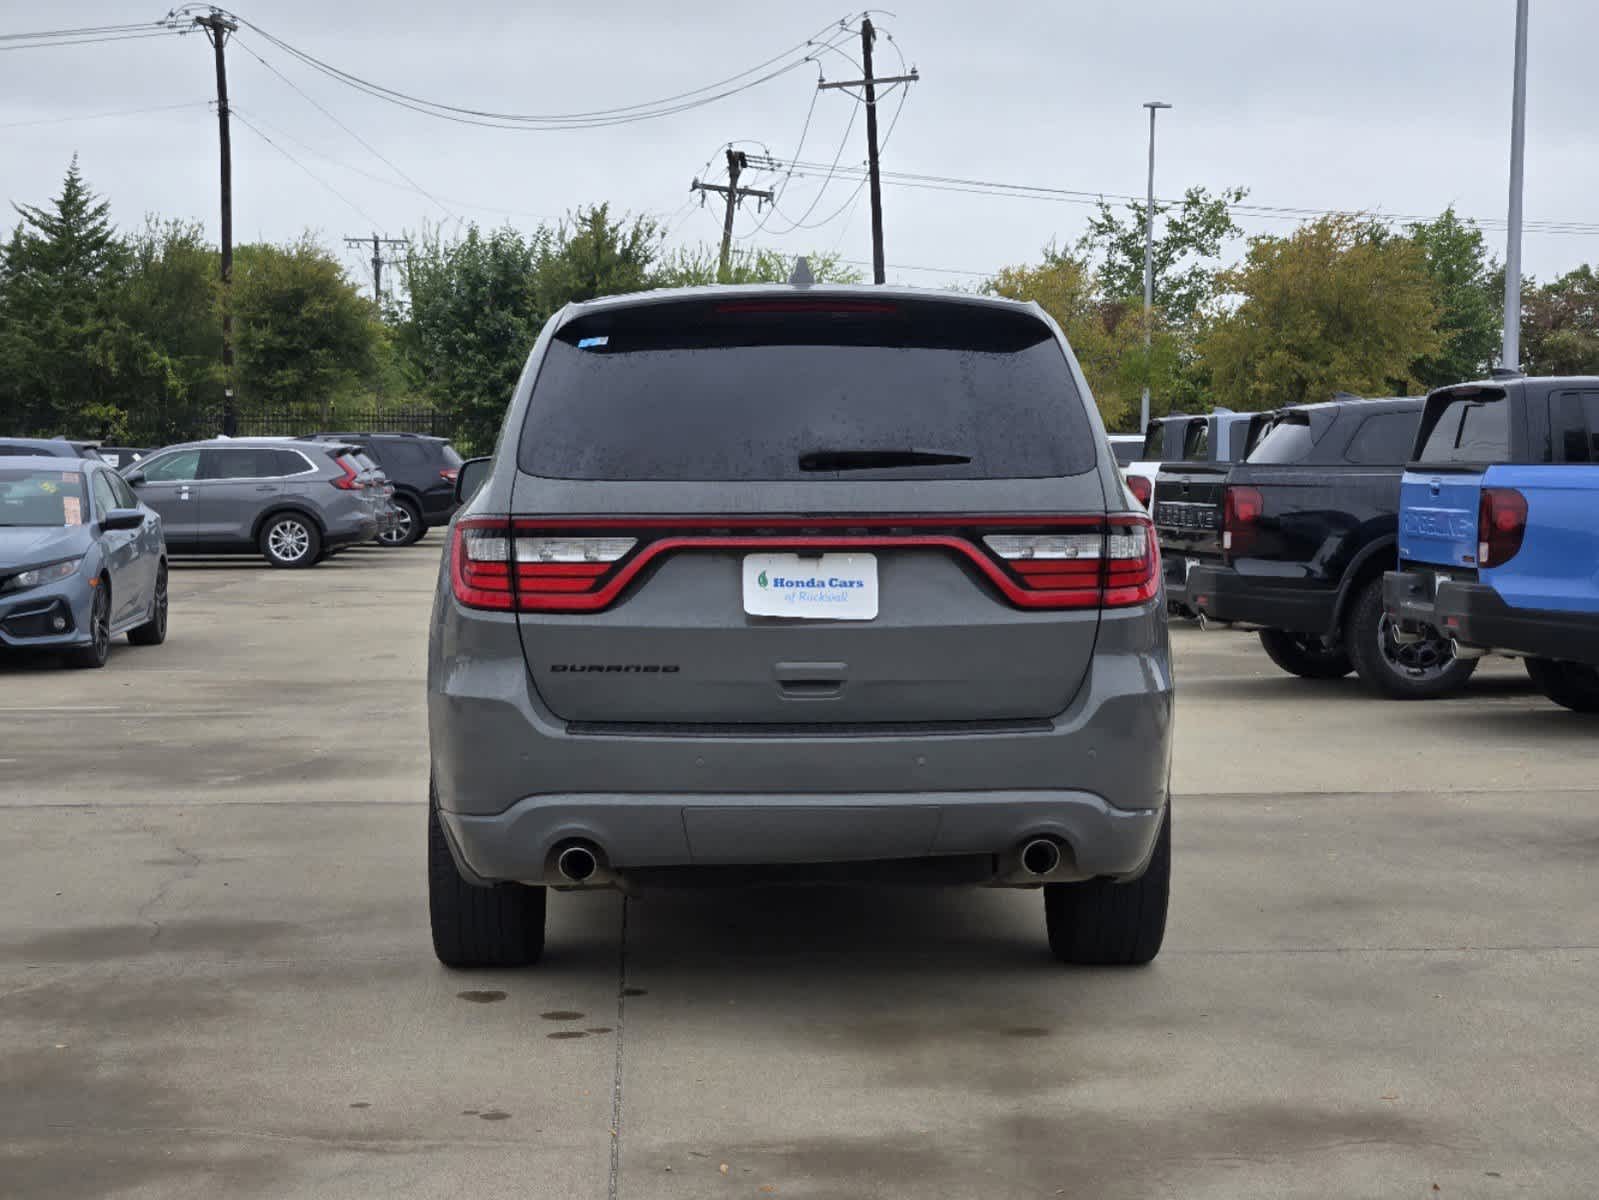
[
  {"x": 1476, "y": 615},
  {"x": 512, "y": 778},
  {"x": 352, "y": 535},
  {"x": 1222, "y": 594},
  {"x": 634, "y": 832}
]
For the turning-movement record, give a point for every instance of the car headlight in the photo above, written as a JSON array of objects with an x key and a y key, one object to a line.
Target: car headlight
[{"x": 34, "y": 576}]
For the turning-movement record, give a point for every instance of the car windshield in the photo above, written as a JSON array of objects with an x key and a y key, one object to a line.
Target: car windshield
[{"x": 42, "y": 497}]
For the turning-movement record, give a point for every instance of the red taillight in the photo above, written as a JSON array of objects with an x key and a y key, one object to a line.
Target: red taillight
[
  {"x": 480, "y": 563},
  {"x": 1143, "y": 491},
  {"x": 577, "y": 565},
  {"x": 1113, "y": 566},
  {"x": 348, "y": 481},
  {"x": 1501, "y": 525},
  {"x": 449, "y": 474},
  {"x": 1241, "y": 509}
]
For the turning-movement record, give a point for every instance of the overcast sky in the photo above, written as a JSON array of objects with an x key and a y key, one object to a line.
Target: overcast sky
[{"x": 1396, "y": 105}]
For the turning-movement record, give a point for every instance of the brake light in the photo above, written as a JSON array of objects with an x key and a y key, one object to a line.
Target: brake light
[
  {"x": 348, "y": 481},
  {"x": 548, "y": 571},
  {"x": 1241, "y": 509},
  {"x": 1112, "y": 567},
  {"x": 1501, "y": 525},
  {"x": 583, "y": 565},
  {"x": 480, "y": 564},
  {"x": 1143, "y": 491}
]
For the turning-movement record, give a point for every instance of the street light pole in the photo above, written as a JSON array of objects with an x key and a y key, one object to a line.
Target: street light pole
[
  {"x": 1149, "y": 258},
  {"x": 1510, "y": 352}
]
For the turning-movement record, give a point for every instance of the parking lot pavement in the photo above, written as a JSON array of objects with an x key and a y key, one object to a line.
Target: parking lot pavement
[{"x": 215, "y": 978}]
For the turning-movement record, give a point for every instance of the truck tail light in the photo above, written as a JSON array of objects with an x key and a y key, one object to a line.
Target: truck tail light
[
  {"x": 1501, "y": 525},
  {"x": 1241, "y": 509},
  {"x": 1143, "y": 491},
  {"x": 350, "y": 480}
]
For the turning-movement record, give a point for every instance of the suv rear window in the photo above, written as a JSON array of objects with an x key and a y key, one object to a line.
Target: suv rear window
[
  {"x": 1289, "y": 441},
  {"x": 745, "y": 389},
  {"x": 1467, "y": 429}
]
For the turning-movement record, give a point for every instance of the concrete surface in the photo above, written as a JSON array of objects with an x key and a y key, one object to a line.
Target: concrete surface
[{"x": 215, "y": 977}]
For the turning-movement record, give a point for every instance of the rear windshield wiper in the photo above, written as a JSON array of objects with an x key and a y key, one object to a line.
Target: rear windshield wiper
[{"x": 872, "y": 460}]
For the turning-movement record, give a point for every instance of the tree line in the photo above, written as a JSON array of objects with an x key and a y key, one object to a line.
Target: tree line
[{"x": 117, "y": 336}]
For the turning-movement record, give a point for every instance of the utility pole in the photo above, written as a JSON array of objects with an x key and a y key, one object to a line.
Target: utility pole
[
  {"x": 870, "y": 82},
  {"x": 217, "y": 28},
  {"x": 736, "y": 162},
  {"x": 1149, "y": 260},
  {"x": 378, "y": 260},
  {"x": 1510, "y": 351}
]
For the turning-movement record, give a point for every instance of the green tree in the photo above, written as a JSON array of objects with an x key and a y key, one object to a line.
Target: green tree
[
  {"x": 303, "y": 333},
  {"x": 1106, "y": 335},
  {"x": 1470, "y": 304},
  {"x": 591, "y": 254},
  {"x": 1186, "y": 254},
  {"x": 1560, "y": 325},
  {"x": 168, "y": 303},
  {"x": 1331, "y": 307},
  {"x": 61, "y": 349},
  {"x": 475, "y": 313},
  {"x": 697, "y": 266}
]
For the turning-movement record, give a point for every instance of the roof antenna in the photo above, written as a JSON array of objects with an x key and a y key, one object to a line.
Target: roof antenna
[{"x": 802, "y": 277}]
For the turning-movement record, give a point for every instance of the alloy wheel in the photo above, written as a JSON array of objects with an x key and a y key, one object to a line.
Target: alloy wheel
[
  {"x": 401, "y": 533},
  {"x": 289, "y": 541}
]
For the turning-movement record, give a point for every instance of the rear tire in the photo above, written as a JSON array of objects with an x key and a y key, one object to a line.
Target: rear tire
[
  {"x": 410, "y": 529},
  {"x": 1570, "y": 685},
  {"x": 1425, "y": 670},
  {"x": 1104, "y": 924},
  {"x": 500, "y": 926},
  {"x": 1305, "y": 655},
  {"x": 154, "y": 631},
  {"x": 290, "y": 539}
]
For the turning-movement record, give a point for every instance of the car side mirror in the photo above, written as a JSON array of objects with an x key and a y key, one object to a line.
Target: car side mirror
[
  {"x": 122, "y": 518},
  {"x": 471, "y": 475},
  {"x": 133, "y": 478}
]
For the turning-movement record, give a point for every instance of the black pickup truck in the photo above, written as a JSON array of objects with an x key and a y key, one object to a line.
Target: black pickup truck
[{"x": 1294, "y": 541}]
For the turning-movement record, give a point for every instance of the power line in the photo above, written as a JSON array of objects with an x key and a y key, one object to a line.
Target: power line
[
  {"x": 371, "y": 149},
  {"x": 124, "y": 112},
  {"x": 251, "y": 127},
  {"x": 988, "y": 187},
  {"x": 626, "y": 114},
  {"x": 90, "y": 41}
]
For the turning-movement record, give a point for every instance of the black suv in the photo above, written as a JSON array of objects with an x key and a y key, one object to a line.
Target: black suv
[{"x": 422, "y": 470}]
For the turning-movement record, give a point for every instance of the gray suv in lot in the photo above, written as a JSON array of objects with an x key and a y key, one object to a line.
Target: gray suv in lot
[
  {"x": 292, "y": 501},
  {"x": 797, "y": 584}
]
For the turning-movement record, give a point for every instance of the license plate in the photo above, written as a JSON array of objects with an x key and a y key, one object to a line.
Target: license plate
[{"x": 831, "y": 587}]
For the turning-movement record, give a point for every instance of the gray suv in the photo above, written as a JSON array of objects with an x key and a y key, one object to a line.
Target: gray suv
[
  {"x": 794, "y": 584},
  {"x": 293, "y": 501}
]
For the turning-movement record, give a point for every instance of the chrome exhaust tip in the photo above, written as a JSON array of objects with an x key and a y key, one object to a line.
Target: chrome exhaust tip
[
  {"x": 577, "y": 864},
  {"x": 1040, "y": 856}
]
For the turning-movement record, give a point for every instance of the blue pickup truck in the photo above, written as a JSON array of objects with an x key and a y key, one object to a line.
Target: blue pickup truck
[{"x": 1499, "y": 529}]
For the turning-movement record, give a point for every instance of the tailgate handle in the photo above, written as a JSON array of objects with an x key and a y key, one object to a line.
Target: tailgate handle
[
  {"x": 1435, "y": 486},
  {"x": 810, "y": 680}
]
